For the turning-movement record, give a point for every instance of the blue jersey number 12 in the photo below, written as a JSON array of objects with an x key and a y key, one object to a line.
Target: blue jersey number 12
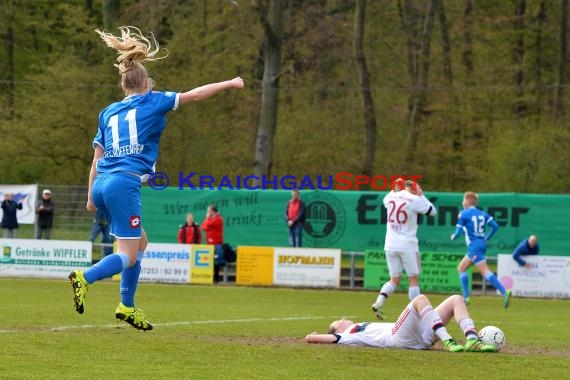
[{"x": 479, "y": 225}]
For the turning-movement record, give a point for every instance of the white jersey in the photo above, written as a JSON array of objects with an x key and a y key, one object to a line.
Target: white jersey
[
  {"x": 402, "y": 220},
  {"x": 368, "y": 334},
  {"x": 408, "y": 332}
]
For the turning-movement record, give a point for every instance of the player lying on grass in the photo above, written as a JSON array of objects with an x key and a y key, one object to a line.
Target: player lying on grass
[{"x": 417, "y": 328}]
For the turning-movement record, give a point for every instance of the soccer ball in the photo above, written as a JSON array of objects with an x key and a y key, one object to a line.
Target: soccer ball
[{"x": 492, "y": 335}]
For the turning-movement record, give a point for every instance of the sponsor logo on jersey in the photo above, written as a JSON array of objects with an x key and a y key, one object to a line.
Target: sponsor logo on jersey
[
  {"x": 125, "y": 150},
  {"x": 359, "y": 327}
]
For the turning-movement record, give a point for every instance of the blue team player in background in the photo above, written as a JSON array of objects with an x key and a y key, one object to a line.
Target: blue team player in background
[
  {"x": 472, "y": 221},
  {"x": 126, "y": 148},
  {"x": 526, "y": 247}
]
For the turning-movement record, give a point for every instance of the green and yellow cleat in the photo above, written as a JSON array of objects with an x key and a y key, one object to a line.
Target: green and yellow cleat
[
  {"x": 79, "y": 285},
  {"x": 133, "y": 316},
  {"x": 467, "y": 301},
  {"x": 379, "y": 313},
  {"x": 477, "y": 345},
  {"x": 507, "y": 298},
  {"x": 452, "y": 346}
]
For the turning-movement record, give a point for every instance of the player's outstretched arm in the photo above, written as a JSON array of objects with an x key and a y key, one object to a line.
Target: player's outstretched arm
[
  {"x": 321, "y": 338},
  {"x": 208, "y": 90}
]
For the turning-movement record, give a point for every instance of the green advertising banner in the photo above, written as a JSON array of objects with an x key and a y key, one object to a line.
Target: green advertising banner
[
  {"x": 355, "y": 220},
  {"x": 439, "y": 272}
]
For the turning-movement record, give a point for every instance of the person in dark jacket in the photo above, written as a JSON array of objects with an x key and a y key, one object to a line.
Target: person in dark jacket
[
  {"x": 189, "y": 232},
  {"x": 526, "y": 247},
  {"x": 295, "y": 216},
  {"x": 9, "y": 218},
  {"x": 44, "y": 209}
]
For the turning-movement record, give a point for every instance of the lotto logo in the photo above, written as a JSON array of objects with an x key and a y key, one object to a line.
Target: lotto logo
[{"x": 135, "y": 222}]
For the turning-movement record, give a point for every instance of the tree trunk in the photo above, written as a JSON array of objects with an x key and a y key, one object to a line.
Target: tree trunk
[
  {"x": 364, "y": 84},
  {"x": 467, "y": 54},
  {"x": 518, "y": 56},
  {"x": 456, "y": 135},
  {"x": 271, "y": 19},
  {"x": 10, "y": 57},
  {"x": 111, "y": 12},
  {"x": 445, "y": 44},
  {"x": 541, "y": 19},
  {"x": 420, "y": 92},
  {"x": 559, "y": 100},
  {"x": 410, "y": 19},
  {"x": 89, "y": 7}
]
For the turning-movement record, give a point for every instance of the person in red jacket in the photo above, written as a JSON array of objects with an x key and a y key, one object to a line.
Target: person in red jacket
[
  {"x": 214, "y": 227},
  {"x": 295, "y": 216},
  {"x": 189, "y": 232}
]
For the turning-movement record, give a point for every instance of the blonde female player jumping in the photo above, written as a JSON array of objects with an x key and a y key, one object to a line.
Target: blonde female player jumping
[{"x": 126, "y": 148}]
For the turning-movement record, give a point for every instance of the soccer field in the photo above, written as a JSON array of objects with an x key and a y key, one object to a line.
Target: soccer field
[{"x": 210, "y": 332}]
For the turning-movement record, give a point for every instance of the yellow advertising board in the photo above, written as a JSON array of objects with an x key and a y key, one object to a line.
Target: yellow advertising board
[
  {"x": 255, "y": 265},
  {"x": 201, "y": 264}
]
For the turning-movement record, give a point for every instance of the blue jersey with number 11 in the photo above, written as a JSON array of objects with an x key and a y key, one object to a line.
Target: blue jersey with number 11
[
  {"x": 130, "y": 130},
  {"x": 473, "y": 222}
]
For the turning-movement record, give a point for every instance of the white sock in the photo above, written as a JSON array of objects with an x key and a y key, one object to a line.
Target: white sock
[
  {"x": 468, "y": 328},
  {"x": 386, "y": 290},
  {"x": 431, "y": 319},
  {"x": 413, "y": 292}
]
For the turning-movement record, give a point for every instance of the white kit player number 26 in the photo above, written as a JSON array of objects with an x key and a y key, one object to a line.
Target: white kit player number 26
[{"x": 397, "y": 215}]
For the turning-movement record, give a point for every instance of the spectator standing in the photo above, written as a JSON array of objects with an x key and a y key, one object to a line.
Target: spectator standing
[
  {"x": 9, "y": 218},
  {"x": 214, "y": 227},
  {"x": 45, "y": 209},
  {"x": 295, "y": 216},
  {"x": 189, "y": 232},
  {"x": 526, "y": 247},
  {"x": 101, "y": 226}
]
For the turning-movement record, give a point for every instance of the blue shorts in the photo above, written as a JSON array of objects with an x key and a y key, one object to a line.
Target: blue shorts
[
  {"x": 120, "y": 195},
  {"x": 476, "y": 251}
]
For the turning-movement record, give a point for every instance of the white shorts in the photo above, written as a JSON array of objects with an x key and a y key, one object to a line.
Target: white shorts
[
  {"x": 409, "y": 332},
  {"x": 407, "y": 261}
]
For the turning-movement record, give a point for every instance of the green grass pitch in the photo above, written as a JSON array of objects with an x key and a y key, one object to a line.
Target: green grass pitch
[{"x": 229, "y": 332}]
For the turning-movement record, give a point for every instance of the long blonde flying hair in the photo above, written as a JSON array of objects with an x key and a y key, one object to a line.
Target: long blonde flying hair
[{"x": 133, "y": 49}]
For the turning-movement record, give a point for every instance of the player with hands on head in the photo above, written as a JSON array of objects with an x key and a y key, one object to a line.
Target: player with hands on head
[
  {"x": 404, "y": 203},
  {"x": 472, "y": 221},
  {"x": 125, "y": 151}
]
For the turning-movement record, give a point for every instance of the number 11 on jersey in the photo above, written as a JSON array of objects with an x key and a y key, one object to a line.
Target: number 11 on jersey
[{"x": 132, "y": 126}]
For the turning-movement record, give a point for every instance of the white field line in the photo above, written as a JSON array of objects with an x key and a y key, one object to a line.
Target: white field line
[{"x": 179, "y": 323}]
